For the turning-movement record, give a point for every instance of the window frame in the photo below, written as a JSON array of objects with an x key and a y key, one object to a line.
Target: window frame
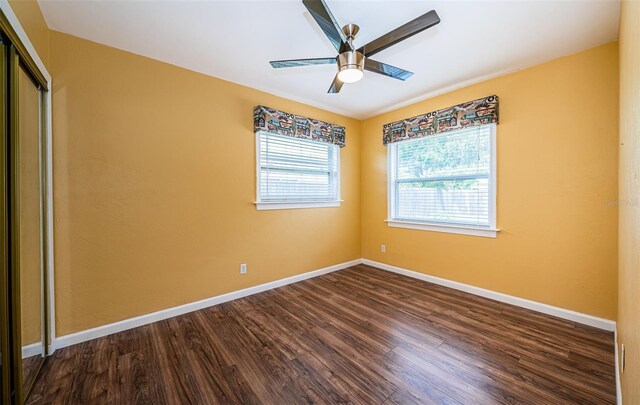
[
  {"x": 484, "y": 231},
  {"x": 293, "y": 204}
]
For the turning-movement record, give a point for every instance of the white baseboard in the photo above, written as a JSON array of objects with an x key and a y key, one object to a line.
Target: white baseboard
[
  {"x": 131, "y": 323},
  {"x": 31, "y": 350},
  {"x": 618, "y": 382},
  {"x": 578, "y": 317}
]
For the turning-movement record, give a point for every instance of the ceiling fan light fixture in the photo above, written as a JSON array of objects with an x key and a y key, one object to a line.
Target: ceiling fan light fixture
[
  {"x": 350, "y": 75},
  {"x": 350, "y": 66}
]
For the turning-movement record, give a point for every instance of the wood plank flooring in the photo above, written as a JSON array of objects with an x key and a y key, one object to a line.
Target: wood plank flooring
[{"x": 360, "y": 335}]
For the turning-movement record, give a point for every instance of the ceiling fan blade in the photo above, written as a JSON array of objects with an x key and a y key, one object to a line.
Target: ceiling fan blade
[
  {"x": 335, "y": 86},
  {"x": 401, "y": 33},
  {"x": 387, "y": 70},
  {"x": 277, "y": 64},
  {"x": 321, "y": 13}
]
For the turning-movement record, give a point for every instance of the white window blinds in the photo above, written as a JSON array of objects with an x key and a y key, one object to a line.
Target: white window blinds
[
  {"x": 443, "y": 179},
  {"x": 296, "y": 170}
]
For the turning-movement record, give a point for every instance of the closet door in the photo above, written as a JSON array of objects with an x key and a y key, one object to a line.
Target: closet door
[
  {"x": 25, "y": 239},
  {"x": 31, "y": 252},
  {"x": 26, "y": 273}
]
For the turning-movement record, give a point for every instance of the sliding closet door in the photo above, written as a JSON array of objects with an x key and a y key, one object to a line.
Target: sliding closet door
[
  {"x": 23, "y": 305},
  {"x": 25, "y": 223},
  {"x": 31, "y": 252}
]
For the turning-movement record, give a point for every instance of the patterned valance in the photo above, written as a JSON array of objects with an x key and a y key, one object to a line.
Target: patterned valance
[
  {"x": 279, "y": 122},
  {"x": 476, "y": 112}
]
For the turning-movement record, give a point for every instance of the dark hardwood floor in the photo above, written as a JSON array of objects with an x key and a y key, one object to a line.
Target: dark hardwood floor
[{"x": 360, "y": 335}]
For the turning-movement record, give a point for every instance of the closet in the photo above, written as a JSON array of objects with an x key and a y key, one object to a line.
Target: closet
[{"x": 25, "y": 247}]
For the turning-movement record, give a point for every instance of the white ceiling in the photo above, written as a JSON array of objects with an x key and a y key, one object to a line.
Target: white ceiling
[{"x": 234, "y": 40}]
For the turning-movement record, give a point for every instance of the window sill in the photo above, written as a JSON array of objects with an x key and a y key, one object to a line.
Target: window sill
[
  {"x": 459, "y": 229},
  {"x": 295, "y": 205}
]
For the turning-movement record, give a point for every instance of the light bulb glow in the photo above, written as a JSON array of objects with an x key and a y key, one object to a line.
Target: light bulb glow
[{"x": 350, "y": 75}]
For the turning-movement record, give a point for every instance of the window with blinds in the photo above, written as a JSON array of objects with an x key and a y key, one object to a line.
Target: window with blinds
[
  {"x": 444, "y": 179},
  {"x": 292, "y": 170}
]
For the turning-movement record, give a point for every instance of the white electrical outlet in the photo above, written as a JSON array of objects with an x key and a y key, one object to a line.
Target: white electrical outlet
[
  {"x": 383, "y": 248},
  {"x": 243, "y": 268}
]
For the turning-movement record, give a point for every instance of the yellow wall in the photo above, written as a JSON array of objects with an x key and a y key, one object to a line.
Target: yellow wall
[
  {"x": 629, "y": 236},
  {"x": 154, "y": 179},
  {"x": 32, "y": 20},
  {"x": 557, "y": 171}
]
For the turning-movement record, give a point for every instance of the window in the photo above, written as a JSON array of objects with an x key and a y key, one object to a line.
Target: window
[
  {"x": 296, "y": 173},
  {"x": 445, "y": 182}
]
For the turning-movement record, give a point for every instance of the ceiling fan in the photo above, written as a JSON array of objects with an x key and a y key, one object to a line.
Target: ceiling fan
[{"x": 351, "y": 61}]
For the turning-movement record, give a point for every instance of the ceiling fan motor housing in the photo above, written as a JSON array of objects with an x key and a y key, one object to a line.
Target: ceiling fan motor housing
[{"x": 350, "y": 60}]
